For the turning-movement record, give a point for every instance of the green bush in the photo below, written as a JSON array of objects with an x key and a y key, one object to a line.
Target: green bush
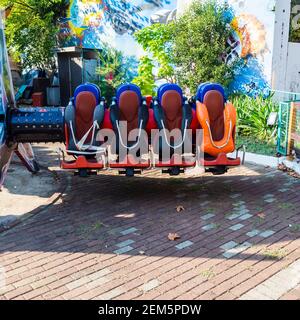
[
  {"x": 253, "y": 114},
  {"x": 145, "y": 78},
  {"x": 115, "y": 70},
  {"x": 200, "y": 40},
  {"x": 188, "y": 50},
  {"x": 32, "y": 30}
]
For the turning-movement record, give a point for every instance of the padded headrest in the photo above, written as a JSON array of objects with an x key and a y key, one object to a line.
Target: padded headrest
[
  {"x": 129, "y": 87},
  {"x": 168, "y": 87},
  {"x": 214, "y": 100},
  {"x": 85, "y": 105},
  {"x": 129, "y": 105},
  {"x": 88, "y": 87},
  {"x": 206, "y": 87}
]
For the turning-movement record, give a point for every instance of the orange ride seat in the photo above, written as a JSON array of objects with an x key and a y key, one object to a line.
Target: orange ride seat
[{"x": 217, "y": 118}]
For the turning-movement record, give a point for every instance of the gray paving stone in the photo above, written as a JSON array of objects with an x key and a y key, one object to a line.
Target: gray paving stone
[
  {"x": 236, "y": 227},
  {"x": 245, "y": 216},
  {"x": 123, "y": 250},
  {"x": 241, "y": 211},
  {"x": 184, "y": 245},
  {"x": 253, "y": 233},
  {"x": 128, "y": 231},
  {"x": 267, "y": 233},
  {"x": 208, "y": 216},
  {"x": 209, "y": 227},
  {"x": 229, "y": 245},
  {"x": 233, "y": 216},
  {"x": 125, "y": 243},
  {"x": 236, "y": 250}
]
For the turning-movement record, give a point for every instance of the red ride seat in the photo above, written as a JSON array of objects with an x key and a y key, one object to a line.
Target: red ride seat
[
  {"x": 129, "y": 108},
  {"x": 83, "y": 120},
  {"x": 172, "y": 112}
]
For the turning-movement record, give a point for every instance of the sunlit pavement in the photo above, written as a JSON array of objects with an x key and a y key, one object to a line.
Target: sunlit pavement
[{"x": 107, "y": 238}]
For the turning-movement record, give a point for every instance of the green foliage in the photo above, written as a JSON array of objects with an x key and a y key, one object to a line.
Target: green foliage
[
  {"x": 201, "y": 35},
  {"x": 188, "y": 50},
  {"x": 145, "y": 79},
  {"x": 115, "y": 69},
  {"x": 253, "y": 114},
  {"x": 156, "y": 41},
  {"x": 31, "y": 30},
  {"x": 257, "y": 146}
]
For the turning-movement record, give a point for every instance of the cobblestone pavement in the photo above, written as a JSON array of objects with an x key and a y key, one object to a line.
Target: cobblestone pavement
[{"x": 107, "y": 238}]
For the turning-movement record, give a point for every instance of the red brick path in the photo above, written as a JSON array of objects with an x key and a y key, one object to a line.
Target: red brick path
[{"x": 108, "y": 238}]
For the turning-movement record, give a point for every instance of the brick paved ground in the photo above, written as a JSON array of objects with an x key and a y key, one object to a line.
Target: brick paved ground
[{"x": 108, "y": 238}]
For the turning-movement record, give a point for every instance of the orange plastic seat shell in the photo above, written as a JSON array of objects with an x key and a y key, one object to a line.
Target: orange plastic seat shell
[{"x": 225, "y": 145}]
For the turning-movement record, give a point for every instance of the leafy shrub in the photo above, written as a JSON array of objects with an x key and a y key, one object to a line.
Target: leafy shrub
[
  {"x": 189, "y": 50},
  {"x": 145, "y": 78},
  {"x": 199, "y": 43},
  {"x": 115, "y": 70},
  {"x": 156, "y": 42},
  {"x": 32, "y": 30},
  {"x": 253, "y": 114}
]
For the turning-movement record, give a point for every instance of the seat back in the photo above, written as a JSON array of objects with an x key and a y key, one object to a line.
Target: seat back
[
  {"x": 85, "y": 105},
  {"x": 129, "y": 101},
  {"x": 171, "y": 101},
  {"x": 213, "y": 96},
  {"x": 82, "y": 114},
  {"x": 129, "y": 106}
]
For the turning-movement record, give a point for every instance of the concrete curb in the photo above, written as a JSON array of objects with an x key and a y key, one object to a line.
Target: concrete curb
[
  {"x": 267, "y": 161},
  {"x": 259, "y": 159}
]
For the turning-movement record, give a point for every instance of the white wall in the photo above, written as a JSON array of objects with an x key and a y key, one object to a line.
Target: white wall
[{"x": 286, "y": 62}]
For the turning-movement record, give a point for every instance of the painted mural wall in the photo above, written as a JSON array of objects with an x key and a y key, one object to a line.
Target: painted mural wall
[
  {"x": 93, "y": 23},
  {"x": 254, "y": 22}
]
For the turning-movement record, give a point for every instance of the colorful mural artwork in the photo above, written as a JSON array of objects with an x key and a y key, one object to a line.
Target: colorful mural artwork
[
  {"x": 253, "y": 42},
  {"x": 253, "y": 22},
  {"x": 94, "y": 23},
  {"x": 91, "y": 23}
]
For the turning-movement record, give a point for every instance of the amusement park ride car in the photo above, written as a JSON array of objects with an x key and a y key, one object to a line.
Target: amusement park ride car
[{"x": 81, "y": 124}]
